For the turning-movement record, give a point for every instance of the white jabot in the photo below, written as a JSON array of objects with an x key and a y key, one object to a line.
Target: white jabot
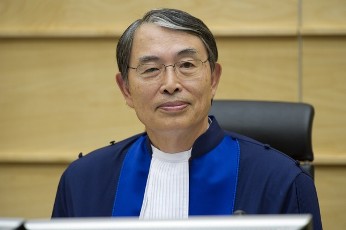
[{"x": 167, "y": 191}]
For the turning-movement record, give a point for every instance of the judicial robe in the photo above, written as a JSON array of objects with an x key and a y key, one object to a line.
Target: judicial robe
[{"x": 227, "y": 172}]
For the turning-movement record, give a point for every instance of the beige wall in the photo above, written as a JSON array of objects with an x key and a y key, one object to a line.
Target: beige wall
[{"x": 58, "y": 96}]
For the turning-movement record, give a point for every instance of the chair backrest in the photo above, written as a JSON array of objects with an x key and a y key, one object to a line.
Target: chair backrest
[{"x": 286, "y": 126}]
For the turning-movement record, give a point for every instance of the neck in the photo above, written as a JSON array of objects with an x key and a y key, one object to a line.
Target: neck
[{"x": 174, "y": 141}]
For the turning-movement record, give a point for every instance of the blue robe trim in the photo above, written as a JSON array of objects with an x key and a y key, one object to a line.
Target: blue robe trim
[
  {"x": 132, "y": 181},
  {"x": 212, "y": 187}
]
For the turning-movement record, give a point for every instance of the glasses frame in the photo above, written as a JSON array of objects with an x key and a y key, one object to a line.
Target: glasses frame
[{"x": 165, "y": 67}]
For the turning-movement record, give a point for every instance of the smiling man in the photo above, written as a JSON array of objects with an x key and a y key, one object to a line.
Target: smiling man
[
  {"x": 170, "y": 86},
  {"x": 184, "y": 164}
]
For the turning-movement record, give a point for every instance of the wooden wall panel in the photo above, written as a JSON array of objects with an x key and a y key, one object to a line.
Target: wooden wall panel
[
  {"x": 59, "y": 97},
  {"x": 324, "y": 85},
  {"x": 331, "y": 188},
  {"x": 58, "y": 94},
  {"x": 248, "y": 71},
  {"x": 63, "y": 99},
  {"x": 324, "y": 17},
  {"x": 28, "y": 190},
  {"x": 111, "y": 17}
]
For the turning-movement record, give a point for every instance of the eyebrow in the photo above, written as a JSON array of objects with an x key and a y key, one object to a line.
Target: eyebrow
[
  {"x": 188, "y": 51},
  {"x": 149, "y": 58},
  {"x": 184, "y": 52}
]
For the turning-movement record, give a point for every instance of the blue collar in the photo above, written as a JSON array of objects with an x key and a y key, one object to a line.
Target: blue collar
[{"x": 213, "y": 175}]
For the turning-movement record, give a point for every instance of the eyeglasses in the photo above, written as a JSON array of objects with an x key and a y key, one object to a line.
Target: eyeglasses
[{"x": 186, "y": 69}]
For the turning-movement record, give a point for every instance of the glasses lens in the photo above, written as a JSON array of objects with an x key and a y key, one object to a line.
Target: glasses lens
[
  {"x": 188, "y": 68},
  {"x": 150, "y": 70}
]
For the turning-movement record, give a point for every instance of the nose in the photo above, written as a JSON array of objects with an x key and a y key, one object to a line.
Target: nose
[{"x": 170, "y": 83}]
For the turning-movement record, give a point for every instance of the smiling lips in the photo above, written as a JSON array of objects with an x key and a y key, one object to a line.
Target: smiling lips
[{"x": 174, "y": 106}]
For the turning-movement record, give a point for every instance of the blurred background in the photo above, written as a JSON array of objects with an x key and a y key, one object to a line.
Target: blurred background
[{"x": 58, "y": 96}]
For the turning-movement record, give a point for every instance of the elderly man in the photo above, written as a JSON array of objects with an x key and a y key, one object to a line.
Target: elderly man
[{"x": 184, "y": 163}]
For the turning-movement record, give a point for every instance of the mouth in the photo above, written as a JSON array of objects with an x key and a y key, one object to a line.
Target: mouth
[{"x": 173, "y": 106}]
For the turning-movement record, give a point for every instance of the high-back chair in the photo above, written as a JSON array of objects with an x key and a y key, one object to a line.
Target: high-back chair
[{"x": 285, "y": 126}]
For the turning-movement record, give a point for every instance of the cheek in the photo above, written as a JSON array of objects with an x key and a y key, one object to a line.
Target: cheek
[
  {"x": 204, "y": 96},
  {"x": 141, "y": 96},
  {"x": 137, "y": 94},
  {"x": 202, "y": 88},
  {"x": 142, "y": 103}
]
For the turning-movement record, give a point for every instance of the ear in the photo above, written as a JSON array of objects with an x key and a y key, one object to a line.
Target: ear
[
  {"x": 124, "y": 88},
  {"x": 215, "y": 78}
]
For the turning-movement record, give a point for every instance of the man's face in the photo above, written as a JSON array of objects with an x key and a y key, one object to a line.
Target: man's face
[{"x": 169, "y": 103}]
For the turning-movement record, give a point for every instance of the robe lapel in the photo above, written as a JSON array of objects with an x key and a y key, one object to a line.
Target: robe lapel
[
  {"x": 132, "y": 180},
  {"x": 213, "y": 180}
]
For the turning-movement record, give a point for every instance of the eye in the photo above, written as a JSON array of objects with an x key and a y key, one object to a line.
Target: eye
[
  {"x": 187, "y": 64},
  {"x": 148, "y": 69}
]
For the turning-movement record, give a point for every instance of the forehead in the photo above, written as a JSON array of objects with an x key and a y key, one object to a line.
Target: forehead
[{"x": 164, "y": 43}]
